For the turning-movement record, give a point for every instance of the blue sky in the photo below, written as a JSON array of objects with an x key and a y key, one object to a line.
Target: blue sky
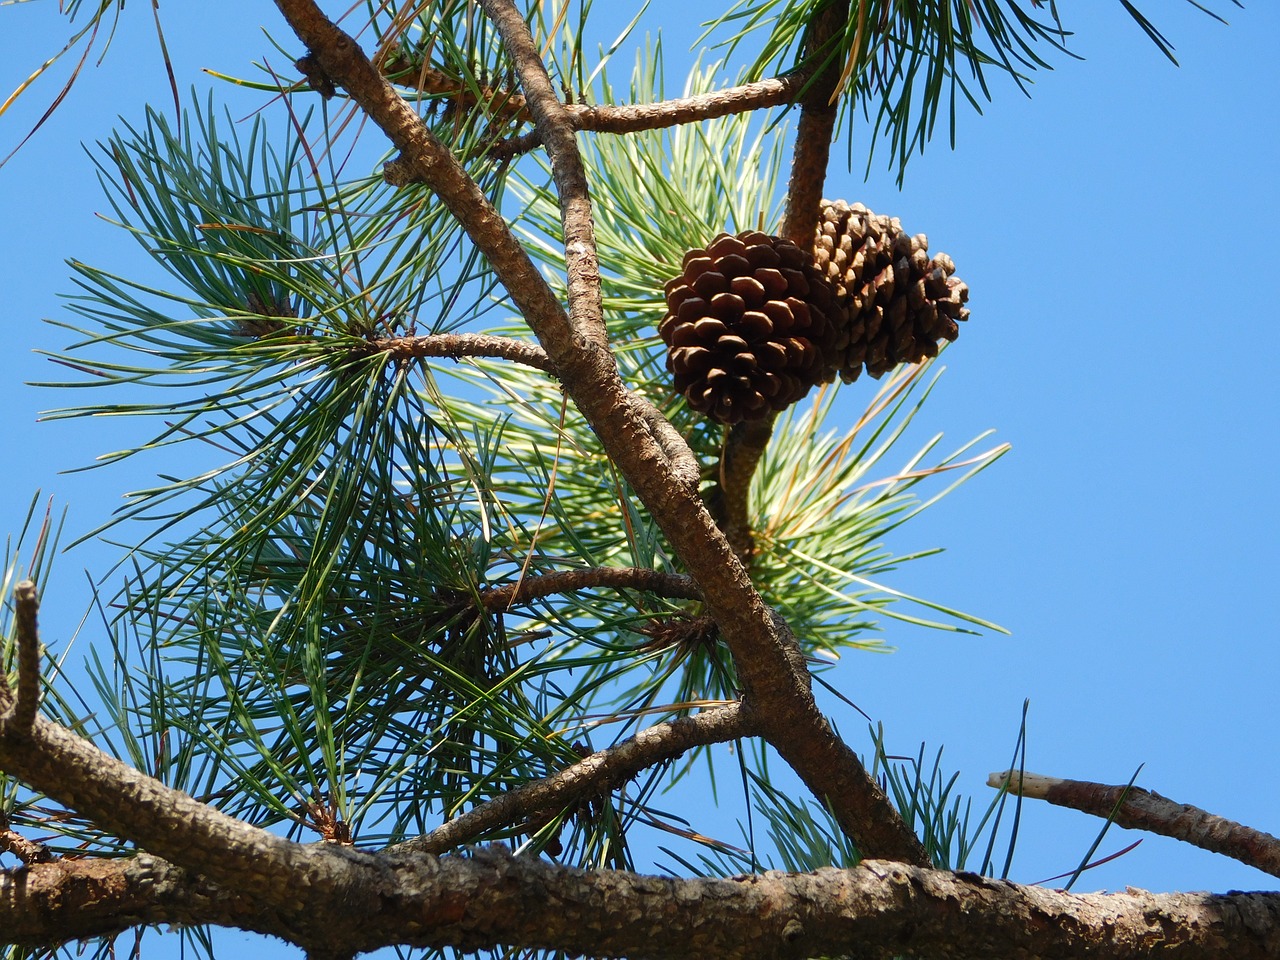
[{"x": 1118, "y": 231}]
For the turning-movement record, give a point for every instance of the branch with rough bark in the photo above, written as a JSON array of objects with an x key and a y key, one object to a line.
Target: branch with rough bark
[
  {"x": 772, "y": 673},
  {"x": 593, "y": 775},
  {"x": 456, "y": 345},
  {"x": 491, "y": 899},
  {"x": 564, "y": 581},
  {"x": 634, "y": 117},
  {"x": 1137, "y": 809},
  {"x": 597, "y": 118}
]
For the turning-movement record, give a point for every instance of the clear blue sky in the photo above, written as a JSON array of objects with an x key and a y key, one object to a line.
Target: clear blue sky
[{"x": 1118, "y": 231}]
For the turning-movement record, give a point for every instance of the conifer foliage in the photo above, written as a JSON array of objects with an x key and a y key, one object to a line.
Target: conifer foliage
[{"x": 507, "y": 487}]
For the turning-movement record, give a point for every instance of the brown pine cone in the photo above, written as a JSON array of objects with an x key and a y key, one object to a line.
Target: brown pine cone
[
  {"x": 900, "y": 302},
  {"x": 752, "y": 326}
]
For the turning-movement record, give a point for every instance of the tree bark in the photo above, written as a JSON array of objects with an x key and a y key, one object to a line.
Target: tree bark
[{"x": 491, "y": 899}]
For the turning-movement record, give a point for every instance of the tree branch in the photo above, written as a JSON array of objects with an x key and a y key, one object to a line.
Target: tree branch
[
  {"x": 685, "y": 468},
  {"x": 634, "y": 117},
  {"x": 565, "y": 581},
  {"x": 456, "y": 345},
  {"x": 18, "y": 708},
  {"x": 597, "y": 774},
  {"x": 490, "y": 899},
  {"x": 121, "y": 800},
  {"x": 28, "y": 851},
  {"x": 582, "y": 266},
  {"x": 1138, "y": 809},
  {"x": 745, "y": 443},
  {"x": 818, "y": 112},
  {"x": 773, "y": 676}
]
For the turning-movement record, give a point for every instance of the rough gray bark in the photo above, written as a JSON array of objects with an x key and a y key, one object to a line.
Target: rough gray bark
[{"x": 490, "y": 899}]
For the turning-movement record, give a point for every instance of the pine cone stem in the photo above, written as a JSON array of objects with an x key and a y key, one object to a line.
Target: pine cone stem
[
  {"x": 744, "y": 446},
  {"x": 814, "y": 131}
]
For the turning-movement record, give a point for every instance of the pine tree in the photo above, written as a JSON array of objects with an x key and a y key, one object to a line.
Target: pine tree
[{"x": 528, "y": 506}]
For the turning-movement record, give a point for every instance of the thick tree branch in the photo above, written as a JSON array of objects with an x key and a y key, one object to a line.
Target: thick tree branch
[
  {"x": 599, "y": 773},
  {"x": 685, "y": 468},
  {"x": 165, "y": 822},
  {"x": 53, "y": 903},
  {"x": 490, "y": 899},
  {"x": 457, "y": 345},
  {"x": 774, "y": 680},
  {"x": 285, "y": 880},
  {"x": 1138, "y": 809}
]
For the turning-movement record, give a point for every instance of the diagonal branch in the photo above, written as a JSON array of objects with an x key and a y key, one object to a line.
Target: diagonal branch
[
  {"x": 551, "y": 119},
  {"x": 771, "y": 670},
  {"x": 1137, "y": 809},
  {"x": 594, "y": 775}
]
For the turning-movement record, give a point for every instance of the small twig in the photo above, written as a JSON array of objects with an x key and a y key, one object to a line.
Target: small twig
[
  {"x": 465, "y": 345},
  {"x": 634, "y": 117},
  {"x": 1138, "y": 809},
  {"x": 28, "y": 851},
  {"x": 496, "y": 102},
  {"x": 595, "y": 774},
  {"x": 20, "y": 706},
  {"x": 564, "y": 581}
]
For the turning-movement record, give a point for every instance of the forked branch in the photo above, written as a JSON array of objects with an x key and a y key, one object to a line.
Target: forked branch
[{"x": 774, "y": 678}]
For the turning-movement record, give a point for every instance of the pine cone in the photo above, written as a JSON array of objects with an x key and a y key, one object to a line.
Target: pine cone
[
  {"x": 752, "y": 327},
  {"x": 899, "y": 301}
]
